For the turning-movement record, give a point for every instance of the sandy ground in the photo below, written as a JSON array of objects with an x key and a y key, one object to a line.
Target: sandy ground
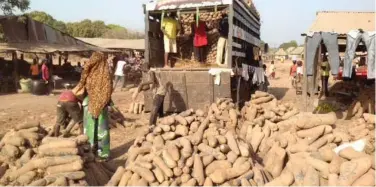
[{"x": 18, "y": 108}]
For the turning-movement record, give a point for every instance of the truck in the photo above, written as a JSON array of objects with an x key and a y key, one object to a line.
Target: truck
[{"x": 193, "y": 87}]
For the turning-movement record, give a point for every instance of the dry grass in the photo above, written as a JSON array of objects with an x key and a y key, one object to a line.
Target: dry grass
[{"x": 187, "y": 63}]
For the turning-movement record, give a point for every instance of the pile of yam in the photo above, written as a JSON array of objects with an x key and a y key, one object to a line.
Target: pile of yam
[
  {"x": 266, "y": 143},
  {"x": 136, "y": 108},
  {"x": 212, "y": 20},
  {"x": 29, "y": 157},
  {"x": 364, "y": 103}
]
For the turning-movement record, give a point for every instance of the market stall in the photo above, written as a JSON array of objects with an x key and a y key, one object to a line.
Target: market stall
[
  {"x": 334, "y": 33},
  {"x": 23, "y": 35}
]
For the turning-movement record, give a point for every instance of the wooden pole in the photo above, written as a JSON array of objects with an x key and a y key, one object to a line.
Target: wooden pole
[
  {"x": 147, "y": 48},
  {"x": 15, "y": 70},
  {"x": 305, "y": 78},
  {"x": 230, "y": 35}
]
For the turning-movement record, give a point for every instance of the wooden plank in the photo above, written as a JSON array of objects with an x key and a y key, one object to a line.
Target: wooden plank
[
  {"x": 15, "y": 69},
  {"x": 239, "y": 54},
  {"x": 230, "y": 35},
  {"x": 147, "y": 51},
  {"x": 237, "y": 45},
  {"x": 305, "y": 78},
  {"x": 240, "y": 7},
  {"x": 247, "y": 23},
  {"x": 244, "y": 35}
]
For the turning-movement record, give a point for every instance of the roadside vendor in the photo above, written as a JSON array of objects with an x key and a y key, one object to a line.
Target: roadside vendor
[
  {"x": 159, "y": 92},
  {"x": 68, "y": 107},
  {"x": 170, "y": 28}
]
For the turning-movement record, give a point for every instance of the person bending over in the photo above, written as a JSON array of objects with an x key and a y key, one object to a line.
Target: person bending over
[
  {"x": 159, "y": 92},
  {"x": 68, "y": 107}
]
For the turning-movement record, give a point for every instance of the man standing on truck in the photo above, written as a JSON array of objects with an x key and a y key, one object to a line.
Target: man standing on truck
[
  {"x": 222, "y": 41},
  {"x": 159, "y": 92},
  {"x": 170, "y": 28}
]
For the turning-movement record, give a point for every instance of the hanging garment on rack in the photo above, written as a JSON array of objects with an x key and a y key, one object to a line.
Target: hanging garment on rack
[
  {"x": 353, "y": 40},
  {"x": 331, "y": 43}
]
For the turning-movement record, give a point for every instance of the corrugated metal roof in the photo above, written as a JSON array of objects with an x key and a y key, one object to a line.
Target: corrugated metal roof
[
  {"x": 24, "y": 34},
  {"x": 342, "y": 22},
  {"x": 138, "y": 44}
]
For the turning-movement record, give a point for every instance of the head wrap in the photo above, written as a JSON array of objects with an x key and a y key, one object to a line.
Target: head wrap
[{"x": 96, "y": 79}]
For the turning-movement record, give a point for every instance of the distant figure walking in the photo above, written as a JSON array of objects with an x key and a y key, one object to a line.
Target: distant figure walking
[{"x": 272, "y": 70}]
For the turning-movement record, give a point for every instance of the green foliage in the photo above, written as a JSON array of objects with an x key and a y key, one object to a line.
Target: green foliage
[
  {"x": 86, "y": 28},
  {"x": 8, "y": 6},
  {"x": 287, "y": 45}
]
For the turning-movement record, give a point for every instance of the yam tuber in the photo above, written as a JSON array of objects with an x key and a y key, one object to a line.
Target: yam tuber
[
  {"x": 370, "y": 118},
  {"x": 170, "y": 162},
  {"x": 320, "y": 165},
  {"x": 69, "y": 167},
  {"x": 57, "y": 144},
  {"x": 349, "y": 153},
  {"x": 197, "y": 136},
  {"x": 285, "y": 179},
  {"x": 367, "y": 179},
  {"x": 350, "y": 171},
  {"x": 221, "y": 175},
  {"x": 181, "y": 120},
  {"x": 143, "y": 172},
  {"x": 198, "y": 170},
  {"x": 210, "y": 151},
  {"x": 231, "y": 142},
  {"x": 125, "y": 178},
  {"x": 159, "y": 162},
  {"x": 27, "y": 125},
  {"x": 58, "y": 152},
  {"x": 115, "y": 179},
  {"x": 332, "y": 179},
  {"x": 274, "y": 161},
  {"x": 312, "y": 177}
]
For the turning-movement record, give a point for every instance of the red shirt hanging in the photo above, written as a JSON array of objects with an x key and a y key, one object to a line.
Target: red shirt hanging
[{"x": 201, "y": 38}]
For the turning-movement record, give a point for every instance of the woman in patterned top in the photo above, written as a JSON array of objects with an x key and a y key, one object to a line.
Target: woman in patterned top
[{"x": 97, "y": 84}]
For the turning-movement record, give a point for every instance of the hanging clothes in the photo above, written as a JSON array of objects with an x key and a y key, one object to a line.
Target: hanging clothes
[
  {"x": 331, "y": 43},
  {"x": 353, "y": 40}
]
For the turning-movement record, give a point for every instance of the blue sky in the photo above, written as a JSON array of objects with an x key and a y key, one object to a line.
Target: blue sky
[{"x": 282, "y": 20}]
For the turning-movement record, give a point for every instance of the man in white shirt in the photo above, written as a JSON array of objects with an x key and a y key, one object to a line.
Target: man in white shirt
[{"x": 119, "y": 72}]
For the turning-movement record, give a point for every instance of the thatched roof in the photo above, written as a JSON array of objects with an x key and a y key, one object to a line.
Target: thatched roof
[
  {"x": 138, "y": 44},
  {"x": 24, "y": 34},
  {"x": 290, "y": 49},
  {"x": 342, "y": 22},
  {"x": 298, "y": 51},
  {"x": 280, "y": 52}
]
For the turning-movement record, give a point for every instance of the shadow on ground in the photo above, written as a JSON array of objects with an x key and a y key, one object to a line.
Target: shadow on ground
[{"x": 279, "y": 93}]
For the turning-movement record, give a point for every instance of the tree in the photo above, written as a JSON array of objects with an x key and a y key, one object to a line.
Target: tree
[
  {"x": 116, "y": 32},
  {"x": 86, "y": 28},
  {"x": 287, "y": 45},
  {"x": 8, "y": 6},
  {"x": 48, "y": 20}
]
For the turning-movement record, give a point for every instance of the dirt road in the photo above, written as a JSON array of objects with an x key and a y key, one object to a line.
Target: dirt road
[{"x": 18, "y": 108}]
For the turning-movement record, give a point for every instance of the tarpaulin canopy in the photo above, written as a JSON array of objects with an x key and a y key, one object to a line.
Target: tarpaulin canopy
[
  {"x": 24, "y": 34},
  {"x": 178, "y": 4}
]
